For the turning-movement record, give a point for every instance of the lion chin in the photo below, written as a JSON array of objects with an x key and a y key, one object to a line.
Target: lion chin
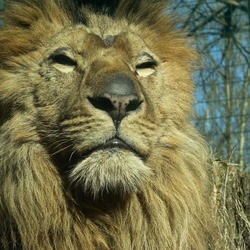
[{"x": 113, "y": 171}]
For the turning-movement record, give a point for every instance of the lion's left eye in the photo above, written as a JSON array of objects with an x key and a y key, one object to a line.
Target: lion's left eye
[
  {"x": 63, "y": 60},
  {"x": 146, "y": 65}
]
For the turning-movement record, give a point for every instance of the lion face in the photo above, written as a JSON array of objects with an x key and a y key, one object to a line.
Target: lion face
[
  {"x": 103, "y": 97},
  {"x": 99, "y": 120}
]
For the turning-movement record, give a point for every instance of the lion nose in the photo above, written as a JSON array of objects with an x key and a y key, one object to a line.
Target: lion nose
[{"x": 118, "y": 98}]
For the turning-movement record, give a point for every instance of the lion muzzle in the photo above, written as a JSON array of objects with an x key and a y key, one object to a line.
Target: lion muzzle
[{"x": 118, "y": 97}]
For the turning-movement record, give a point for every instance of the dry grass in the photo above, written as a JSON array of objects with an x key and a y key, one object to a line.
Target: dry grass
[{"x": 232, "y": 204}]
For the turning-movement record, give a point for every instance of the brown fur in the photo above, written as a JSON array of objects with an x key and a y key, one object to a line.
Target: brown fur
[{"x": 50, "y": 198}]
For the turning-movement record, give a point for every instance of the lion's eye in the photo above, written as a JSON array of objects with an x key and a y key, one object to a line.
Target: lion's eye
[
  {"x": 146, "y": 65},
  {"x": 62, "y": 62}
]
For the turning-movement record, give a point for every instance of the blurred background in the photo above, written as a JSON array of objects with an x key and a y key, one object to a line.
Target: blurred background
[{"x": 222, "y": 33}]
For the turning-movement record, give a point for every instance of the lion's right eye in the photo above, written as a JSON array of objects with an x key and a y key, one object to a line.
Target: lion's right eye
[
  {"x": 146, "y": 65},
  {"x": 63, "y": 62}
]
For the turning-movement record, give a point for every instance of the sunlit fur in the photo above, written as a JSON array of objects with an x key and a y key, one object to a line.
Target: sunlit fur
[{"x": 56, "y": 190}]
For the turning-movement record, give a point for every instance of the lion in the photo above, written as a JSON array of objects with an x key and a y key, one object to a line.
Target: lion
[{"x": 97, "y": 145}]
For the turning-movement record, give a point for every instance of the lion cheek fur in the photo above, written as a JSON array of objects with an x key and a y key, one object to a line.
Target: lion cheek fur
[{"x": 113, "y": 171}]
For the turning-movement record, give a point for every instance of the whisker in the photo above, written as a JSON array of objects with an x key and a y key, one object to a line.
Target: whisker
[
  {"x": 56, "y": 145},
  {"x": 71, "y": 155},
  {"x": 62, "y": 149}
]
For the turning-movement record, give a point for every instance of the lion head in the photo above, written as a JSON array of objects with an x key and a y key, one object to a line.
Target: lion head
[{"x": 97, "y": 148}]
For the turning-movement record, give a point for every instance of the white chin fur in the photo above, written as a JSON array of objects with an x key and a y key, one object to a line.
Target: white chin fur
[{"x": 114, "y": 170}]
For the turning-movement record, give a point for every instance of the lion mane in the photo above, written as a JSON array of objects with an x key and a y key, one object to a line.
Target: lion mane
[{"x": 97, "y": 146}]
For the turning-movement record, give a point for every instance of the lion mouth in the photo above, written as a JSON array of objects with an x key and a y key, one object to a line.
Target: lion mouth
[
  {"x": 110, "y": 144},
  {"x": 114, "y": 143},
  {"x": 69, "y": 160}
]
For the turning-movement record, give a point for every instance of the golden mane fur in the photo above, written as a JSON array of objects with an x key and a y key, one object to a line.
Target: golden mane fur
[{"x": 56, "y": 190}]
